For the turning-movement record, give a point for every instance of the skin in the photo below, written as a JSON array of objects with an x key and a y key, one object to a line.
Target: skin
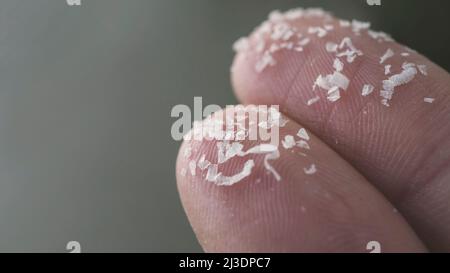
[{"x": 383, "y": 173}]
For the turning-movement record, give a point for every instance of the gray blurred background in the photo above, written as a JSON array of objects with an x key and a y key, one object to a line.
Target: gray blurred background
[{"x": 85, "y": 98}]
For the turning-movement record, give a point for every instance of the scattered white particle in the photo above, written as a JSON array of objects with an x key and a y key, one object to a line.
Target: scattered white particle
[
  {"x": 192, "y": 167},
  {"x": 389, "y": 85},
  {"x": 187, "y": 151},
  {"x": 380, "y": 36},
  {"x": 313, "y": 101},
  {"x": 405, "y": 54},
  {"x": 387, "y": 69},
  {"x": 367, "y": 89},
  {"x": 357, "y": 26},
  {"x": 265, "y": 61},
  {"x": 334, "y": 94},
  {"x": 338, "y": 65},
  {"x": 406, "y": 65},
  {"x": 241, "y": 45},
  {"x": 272, "y": 156},
  {"x": 183, "y": 172},
  {"x": 303, "y": 144},
  {"x": 311, "y": 170},
  {"x": 304, "y": 42},
  {"x": 331, "y": 47},
  {"x": 344, "y": 23},
  {"x": 389, "y": 53},
  {"x": 303, "y": 134},
  {"x": 321, "y": 32},
  {"x": 385, "y": 102},
  {"x": 429, "y": 100},
  {"x": 329, "y": 81},
  {"x": 328, "y": 27},
  {"x": 203, "y": 164},
  {"x": 423, "y": 69},
  {"x": 404, "y": 77},
  {"x": 351, "y": 53},
  {"x": 288, "y": 142},
  {"x": 221, "y": 180}
]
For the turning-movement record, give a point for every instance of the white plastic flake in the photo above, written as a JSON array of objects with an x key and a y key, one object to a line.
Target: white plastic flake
[
  {"x": 303, "y": 134},
  {"x": 389, "y": 53},
  {"x": 192, "y": 167},
  {"x": 288, "y": 142},
  {"x": 389, "y": 85},
  {"x": 241, "y": 45},
  {"x": 311, "y": 170},
  {"x": 367, "y": 89},
  {"x": 313, "y": 101},
  {"x": 272, "y": 156},
  {"x": 429, "y": 100},
  {"x": 387, "y": 69},
  {"x": 423, "y": 69},
  {"x": 334, "y": 94},
  {"x": 203, "y": 164},
  {"x": 221, "y": 180},
  {"x": 303, "y": 144}
]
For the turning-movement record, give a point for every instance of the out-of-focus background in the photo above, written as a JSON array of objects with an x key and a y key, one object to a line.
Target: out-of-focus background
[{"x": 85, "y": 98}]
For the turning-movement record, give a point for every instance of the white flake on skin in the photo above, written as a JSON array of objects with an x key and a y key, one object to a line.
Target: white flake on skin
[
  {"x": 288, "y": 142},
  {"x": 338, "y": 65},
  {"x": 389, "y": 85},
  {"x": 389, "y": 53},
  {"x": 313, "y": 101},
  {"x": 423, "y": 69},
  {"x": 311, "y": 170},
  {"x": 429, "y": 100},
  {"x": 357, "y": 26},
  {"x": 367, "y": 89},
  {"x": 351, "y": 53},
  {"x": 183, "y": 172},
  {"x": 187, "y": 151},
  {"x": 331, "y": 47},
  {"x": 192, "y": 167},
  {"x": 321, "y": 32},
  {"x": 272, "y": 156},
  {"x": 334, "y": 94},
  {"x": 303, "y": 144},
  {"x": 265, "y": 61},
  {"x": 303, "y": 134},
  {"x": 221, "y": 180},
  {"x": 387, "y": 69},
  {"x": 241, "y": 45},
  {"x": 203, "y": 164}
]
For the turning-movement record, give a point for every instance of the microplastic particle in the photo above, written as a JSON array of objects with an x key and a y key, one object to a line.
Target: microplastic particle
[
  {"x": 303, "y": 134},
  {"x": 429, "y": 100},
  {"x": 311, "y": 170},
  {"x": 221, "y": 180},
  {"x": 241, "y": 45},
  {"x": 367, "y": 89},
  {"x": 272, "y": 156},
  {"x": 313, "y": 101},
  {"x": 389, "y": 53},
  {"x": 192, "y": 167},
  {"x": 423, "y": 69},
  {"x": 288, "y": 142},
  {"x": 303, "y": 144},
  {"x": 387, "y": 69}
]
